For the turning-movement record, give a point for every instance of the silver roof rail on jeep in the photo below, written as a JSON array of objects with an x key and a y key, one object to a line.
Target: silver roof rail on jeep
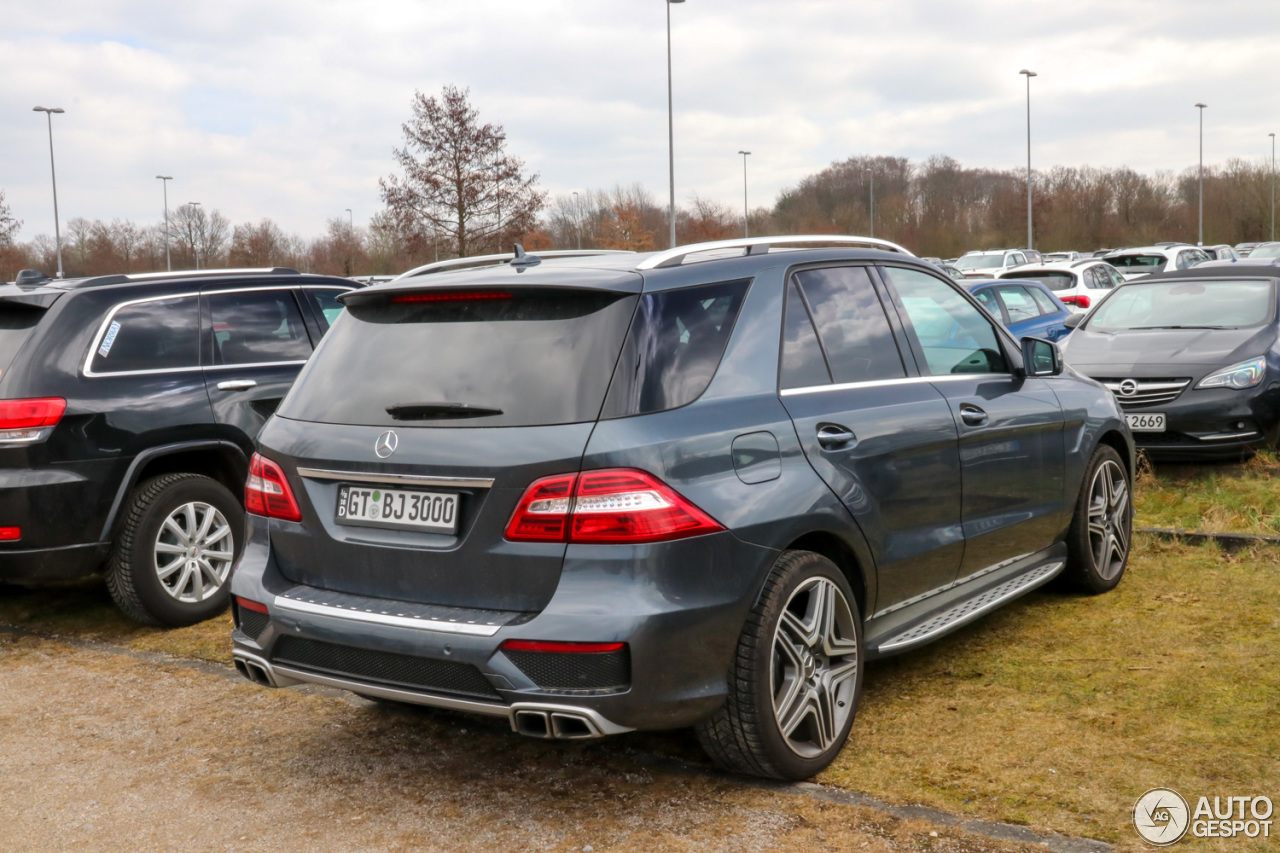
[
  {"x": 456, "y": 264},
  {"x": 761, "y": 245}
]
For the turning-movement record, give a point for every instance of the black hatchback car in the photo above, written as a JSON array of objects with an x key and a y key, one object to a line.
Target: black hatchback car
[
  {"x": 1192, "y": 356},
  {"x": 698, "y": 487},
  {"x": 129, "y": 405}
]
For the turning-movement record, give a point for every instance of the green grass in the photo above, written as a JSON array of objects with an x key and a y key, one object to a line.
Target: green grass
[
  {"x": 1232, "y": 498},
  {"x": 1059, "y": 711}
]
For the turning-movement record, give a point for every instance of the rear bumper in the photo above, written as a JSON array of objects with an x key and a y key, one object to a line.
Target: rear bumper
[
  {"x": 680, "y": 631},
  {"x": 52, "y": 564}
]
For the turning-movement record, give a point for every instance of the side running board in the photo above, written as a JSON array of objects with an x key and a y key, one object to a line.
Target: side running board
[{"x": 969, "y": 610}]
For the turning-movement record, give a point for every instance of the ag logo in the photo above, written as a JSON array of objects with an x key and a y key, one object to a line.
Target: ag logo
[{"x": 1161, "y": 816}]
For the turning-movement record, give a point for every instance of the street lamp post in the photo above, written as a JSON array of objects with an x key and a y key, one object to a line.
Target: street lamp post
[
  {"x": 671, "y": 133},
  {"x": 1029, "y": 75},
  {"x": 1273, "y": 186},
  {"x": 164, "y": 181},
  {"x": 57, "y": 229},
  {"x": 1200, "y": 239},
  {"x": 577, "y": 219},
  {"x": 872, "y": 177},
  {"x": 351, "y": 221},
  {"x": 195, "y": 243},
  {"x": 746, "y": 227}
]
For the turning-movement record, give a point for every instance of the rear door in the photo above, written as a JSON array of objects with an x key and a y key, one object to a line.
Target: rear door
[
  {"x": 255, "y": 341},
  {"x": 470, "y": 394},
  {"x": 880, "y": 436},
  {"x": 1010, "y": 426}
]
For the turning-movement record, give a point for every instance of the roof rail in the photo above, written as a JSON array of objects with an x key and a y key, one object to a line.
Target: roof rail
[
  {"x": 457, "y": 264},
  {"x": 121, "y": 278},
  {"x": 761, "y": 245}
]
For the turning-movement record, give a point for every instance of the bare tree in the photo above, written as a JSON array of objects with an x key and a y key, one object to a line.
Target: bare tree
[
  {"x": 8, "y": 224},
  {"x": 200, "y": 237},
  {"x": 458, "y": 182}
]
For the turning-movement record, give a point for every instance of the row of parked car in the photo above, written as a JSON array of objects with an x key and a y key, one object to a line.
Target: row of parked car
[{"x": 592, "y": 493}]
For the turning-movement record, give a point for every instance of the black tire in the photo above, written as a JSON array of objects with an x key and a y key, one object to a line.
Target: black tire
[
  {"x": 745, "y": 736},
  {"x": 143, "y": 540},
  {"x": 1097, "y": 555}
]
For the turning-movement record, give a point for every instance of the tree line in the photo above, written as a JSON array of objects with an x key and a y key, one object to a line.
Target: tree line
[{"x": 458, "y": 192}]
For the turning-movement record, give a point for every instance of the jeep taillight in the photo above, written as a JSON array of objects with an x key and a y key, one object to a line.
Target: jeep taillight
[
  {"x": 27, "y": 421},
  {"x": 612, "y": 505},
  {"x": 267, "y": 492}
]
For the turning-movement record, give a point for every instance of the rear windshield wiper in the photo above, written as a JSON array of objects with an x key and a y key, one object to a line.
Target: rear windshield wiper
[{"x": 428, "y": 411}]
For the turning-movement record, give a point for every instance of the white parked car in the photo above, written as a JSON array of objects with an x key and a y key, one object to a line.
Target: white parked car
[
  {"x": 1078, "y": 284},
  {"x": 991, "y": 263},
  {"x": 1058, "y": 257},
  {"x": 1134, "y": 263}
]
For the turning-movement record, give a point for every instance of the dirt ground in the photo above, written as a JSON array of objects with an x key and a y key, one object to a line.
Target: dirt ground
[{"x": 106, "y": 751}]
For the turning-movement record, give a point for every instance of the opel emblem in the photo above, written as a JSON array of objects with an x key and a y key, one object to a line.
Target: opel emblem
[
  {"x": 1128, "y": 388},
  {"x": 386, "y": 444}
]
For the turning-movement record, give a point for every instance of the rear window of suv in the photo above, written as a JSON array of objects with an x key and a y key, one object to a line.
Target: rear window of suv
[
  {"x": 521, "y": 357},
  {"x": 16, "y": 324}
]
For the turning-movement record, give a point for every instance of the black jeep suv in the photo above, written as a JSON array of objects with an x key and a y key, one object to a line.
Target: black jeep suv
[
  {"x": 697, "y": 487},
  {"x": 129, "y": 405}
]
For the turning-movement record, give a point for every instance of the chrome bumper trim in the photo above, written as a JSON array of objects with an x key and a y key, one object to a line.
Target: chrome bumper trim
[
  {"x": 396, "y": 479},
  {"x": 389, "y": 619}
]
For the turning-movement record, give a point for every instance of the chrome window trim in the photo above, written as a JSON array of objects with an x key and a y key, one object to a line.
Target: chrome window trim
[
  {"x": 106, "y": 324},
  {"x": 450, "y": 627},
  {"x": 877, "y": 383},
  {"x": 396, "y": 479}
]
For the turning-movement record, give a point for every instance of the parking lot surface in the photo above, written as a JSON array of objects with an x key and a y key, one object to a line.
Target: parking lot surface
[{"x": 112, "y": 750}]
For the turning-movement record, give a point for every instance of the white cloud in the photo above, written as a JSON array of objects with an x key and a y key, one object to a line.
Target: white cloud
[{"x": 291, "y": 109}]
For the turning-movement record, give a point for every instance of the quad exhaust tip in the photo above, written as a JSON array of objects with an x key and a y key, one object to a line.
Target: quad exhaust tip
[{"x": 554, "y": 724}]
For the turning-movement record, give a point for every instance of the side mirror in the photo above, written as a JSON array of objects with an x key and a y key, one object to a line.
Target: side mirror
[
  {"x": 1074, "y": 320},
  {"x": 1040, "y": 357}
]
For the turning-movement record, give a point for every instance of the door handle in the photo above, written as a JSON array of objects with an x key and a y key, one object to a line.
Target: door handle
[
  {"x": 834, "y": 436},
  {"x": 237, "y": 384},
  {"x": 972, "y": 415}
]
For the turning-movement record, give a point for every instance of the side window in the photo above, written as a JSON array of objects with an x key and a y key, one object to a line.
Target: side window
[
  {"x": 325, "y": 300},
  {"x": 257, "y": 327},
  {"x": 953, "y": 335},
  {"x": 802, "y": 361},
  {"x": 987, "y": 298},
  {"x": 851, "y": 324},
  {"x": 1019, "y": 304},
  {"x": 1111, "y": 273},
  {"x": 1042, "y": 299},
  {"x": 1015, "y": 260},
  {"x": 160, "y": 334}
]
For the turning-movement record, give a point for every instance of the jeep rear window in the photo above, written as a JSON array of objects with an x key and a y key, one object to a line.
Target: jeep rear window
[
  {"x": 537, "y": 356},
  {"x": 674, "y": 348},
  {"x": 16, "y": 324}
]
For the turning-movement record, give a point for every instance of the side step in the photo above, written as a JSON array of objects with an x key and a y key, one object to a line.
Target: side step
[{"x": 968, "y": 610}]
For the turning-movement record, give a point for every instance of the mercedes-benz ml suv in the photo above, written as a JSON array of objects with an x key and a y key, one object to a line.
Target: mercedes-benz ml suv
[{"x": 700, "y": 487}]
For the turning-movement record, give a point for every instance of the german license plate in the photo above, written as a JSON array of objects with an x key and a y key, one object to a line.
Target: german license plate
[
  {"x": 1146, "y": 422},
  {"x": 370, "y": 506}
]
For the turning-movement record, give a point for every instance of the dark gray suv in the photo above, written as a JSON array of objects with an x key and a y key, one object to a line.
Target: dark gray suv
[{"x": 699, "y": 487}]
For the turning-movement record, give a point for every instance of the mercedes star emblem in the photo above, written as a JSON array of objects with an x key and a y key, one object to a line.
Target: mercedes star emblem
[
  {"x": 386, "y": 444},
  {"x": 1128, "y": 388}
]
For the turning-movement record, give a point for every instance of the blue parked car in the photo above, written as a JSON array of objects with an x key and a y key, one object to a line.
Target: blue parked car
[{"x": 1028, "y": 309}]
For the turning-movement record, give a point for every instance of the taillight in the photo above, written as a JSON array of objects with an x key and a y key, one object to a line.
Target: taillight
[
  {"x": 23, "y": 421},
  {"x": 614, "y": 505},
  {"x": 267, "y": 492},
  {"x": 561, "y": 648},
  {"x": 452, "y": 296},
  {"x": 1082, "y": 301},
  {"x": 10, "y": 534}
]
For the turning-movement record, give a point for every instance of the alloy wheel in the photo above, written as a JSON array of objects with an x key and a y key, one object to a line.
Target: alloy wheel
[
  {"x": 193, "y": 552},
  {"x": 1109, "y": 519},
  {"x": 814, "y": 667}
]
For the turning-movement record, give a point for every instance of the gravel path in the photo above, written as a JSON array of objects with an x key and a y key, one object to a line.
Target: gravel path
[{"x": 111, "y": 752}]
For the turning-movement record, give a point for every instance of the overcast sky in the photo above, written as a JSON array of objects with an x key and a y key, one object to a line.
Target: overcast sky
[{"x": 290, "y": 109}]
